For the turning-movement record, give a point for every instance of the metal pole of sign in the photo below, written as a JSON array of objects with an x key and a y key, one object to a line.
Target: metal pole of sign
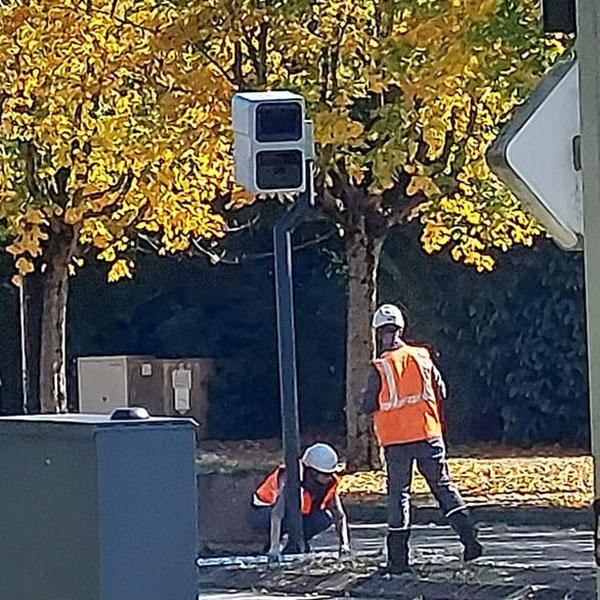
[
  {"x": 25, "y": 383},
  {"x": 290, "y": 428},
  {"x": 588, "y": 53}
]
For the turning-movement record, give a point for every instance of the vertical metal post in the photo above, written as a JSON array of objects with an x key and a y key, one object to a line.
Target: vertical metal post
[
  {"x": 288, "y": 385},
  {"x": 588, "y": 54},
  {"x": 25, "y": 384}
]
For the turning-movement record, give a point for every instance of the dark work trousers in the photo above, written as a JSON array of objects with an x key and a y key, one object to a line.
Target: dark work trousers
[
  {"x": 430, "y": 456},
  {"x": 312, "y": 524}
]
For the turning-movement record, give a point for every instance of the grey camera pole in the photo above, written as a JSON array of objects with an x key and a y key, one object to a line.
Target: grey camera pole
[{"x": 288, "y": 384}]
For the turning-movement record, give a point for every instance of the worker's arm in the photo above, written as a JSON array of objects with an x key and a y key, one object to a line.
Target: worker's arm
[
  {"x": 370, "y": 400},
  {"x": 277, "y": 515},
  {"x": 439, "y": 384},
  {"x": 341, "y": 523}
]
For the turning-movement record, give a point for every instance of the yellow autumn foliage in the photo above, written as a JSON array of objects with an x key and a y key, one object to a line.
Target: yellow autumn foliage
[
  {"x": 115, "y": 114},
  {"x": 565, "y": 482},
  {"x": 96, "y": 139},
  {"x": 406, "y": 97}
]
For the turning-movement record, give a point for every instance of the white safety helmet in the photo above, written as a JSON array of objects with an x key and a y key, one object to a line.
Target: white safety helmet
[
  {"x": 321, "y": 457},
  {"x": 388, "y": 314}
]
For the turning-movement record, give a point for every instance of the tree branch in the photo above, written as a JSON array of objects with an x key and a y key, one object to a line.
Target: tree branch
[
  {"x": 335, "y": 59},
  {"x": 59, "y": 193},
  {"x": 252, "y": 51},
  {"x": 325, "y": 69},
  {"x": 422, "y": 149},
  {"x": 31, "y": 175},
  {"x": 263, "y": 36},
  {"x": 124, "y": 185},
  {"x": 216, "y": 64},
  {"x": 408, "y": 208},
  {"x": 237, "y": 64},
  {"x": 198, "y": 45},
  {"x": 148, "y": 240},
  {"x": 244, "y": 226},
  {"x": 240, "y": 259},
  {"x": 3, "y": 98},
  {"x": 125, "y": 179},
  {"x": 449, "y": 140},
  {"x": 472, "y": 118}
]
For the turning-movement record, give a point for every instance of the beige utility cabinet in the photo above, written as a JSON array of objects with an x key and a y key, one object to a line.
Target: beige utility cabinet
[{"x": 166, "y": 387}]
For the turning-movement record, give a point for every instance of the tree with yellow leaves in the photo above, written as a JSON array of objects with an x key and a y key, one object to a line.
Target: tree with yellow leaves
[
  {"x": 406, "y": 96},
  {"x": 115, "y": 122},
  {"x": 99, "y": 146}
]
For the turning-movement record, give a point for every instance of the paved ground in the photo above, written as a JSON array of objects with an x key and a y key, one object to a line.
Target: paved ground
[
  {"x": 253, "y": 596},
  {"x": 520, "y": 562},
  {"x": 514, "y": 547}
]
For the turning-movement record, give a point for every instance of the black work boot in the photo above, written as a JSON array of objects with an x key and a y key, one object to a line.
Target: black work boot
[
  {"x": 461, "y": 523},
  {"x": 397, "y": 551}
]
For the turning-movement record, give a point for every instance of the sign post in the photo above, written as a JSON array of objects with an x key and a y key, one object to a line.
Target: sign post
[
  {"x": 274, "y": 153},
  {"x": 565, "y": 194},
  {"x": 288, "y": 376},
  {"x": 588, "y": 51}
]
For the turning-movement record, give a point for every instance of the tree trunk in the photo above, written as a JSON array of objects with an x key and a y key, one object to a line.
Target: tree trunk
[
  {"x": 362, "y": 258},
  {"x": 53, "y": 358},
  {"x": 30, "y": 300}
]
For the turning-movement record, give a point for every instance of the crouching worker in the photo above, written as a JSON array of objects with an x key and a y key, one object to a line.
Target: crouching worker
[{"x": 321, "y": 504}]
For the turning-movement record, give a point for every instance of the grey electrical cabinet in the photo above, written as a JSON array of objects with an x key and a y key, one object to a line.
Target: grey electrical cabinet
[{"x": 97, "y": 509}]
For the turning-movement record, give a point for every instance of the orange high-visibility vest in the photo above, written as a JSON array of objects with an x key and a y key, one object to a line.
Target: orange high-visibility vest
[
  {"x": 268, "y": 492},
  {"x": 408, "y": 406}
]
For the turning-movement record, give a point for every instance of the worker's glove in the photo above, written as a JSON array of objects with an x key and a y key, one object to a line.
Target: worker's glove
[
  {"x": 345, "y": 551},
  {"x": 274, "y": 556}
]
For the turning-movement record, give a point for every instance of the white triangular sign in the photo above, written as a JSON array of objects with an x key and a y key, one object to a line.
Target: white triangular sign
[{"x": 537, "y": 155}]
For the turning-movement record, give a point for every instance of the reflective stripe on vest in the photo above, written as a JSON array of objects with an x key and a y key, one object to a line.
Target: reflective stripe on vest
[
  {"x": 408, "y": 409},
  {"x": 392, "y": 370},
  {"x": 268, "y": 492}
]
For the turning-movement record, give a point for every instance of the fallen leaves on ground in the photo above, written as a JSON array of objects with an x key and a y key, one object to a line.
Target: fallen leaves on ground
[
  {"x": 485, "y": 474},
  {"x": 544, "y": 481}
]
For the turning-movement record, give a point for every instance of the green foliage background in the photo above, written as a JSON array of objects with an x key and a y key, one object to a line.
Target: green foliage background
[{"x": 511, "y": 344}]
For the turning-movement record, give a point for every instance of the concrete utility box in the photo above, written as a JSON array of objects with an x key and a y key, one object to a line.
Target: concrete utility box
[
  {"x": 94, "y": 509},
  {"x": 169, "y": 387}
]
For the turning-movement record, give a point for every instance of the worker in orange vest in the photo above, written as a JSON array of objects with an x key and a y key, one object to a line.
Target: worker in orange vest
[
  {"x": 403, "y": 393},
  {"x": 321, "y": 504}
]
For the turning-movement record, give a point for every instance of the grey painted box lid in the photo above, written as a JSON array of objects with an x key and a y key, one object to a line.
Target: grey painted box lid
[{"x": 83, "y": 424}]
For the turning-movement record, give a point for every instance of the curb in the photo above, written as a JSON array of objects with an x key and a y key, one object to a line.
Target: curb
[{"x": 370, "y": 512}]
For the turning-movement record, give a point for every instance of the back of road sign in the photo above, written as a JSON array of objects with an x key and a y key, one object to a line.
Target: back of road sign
[{"x": 537, "y": 155}]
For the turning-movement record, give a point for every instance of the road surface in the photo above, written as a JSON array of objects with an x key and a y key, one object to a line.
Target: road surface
[{"x": 520, "y": 562}]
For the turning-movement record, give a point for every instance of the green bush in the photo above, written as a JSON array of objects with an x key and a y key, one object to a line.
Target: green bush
[{"x": 512, "y": 343}]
